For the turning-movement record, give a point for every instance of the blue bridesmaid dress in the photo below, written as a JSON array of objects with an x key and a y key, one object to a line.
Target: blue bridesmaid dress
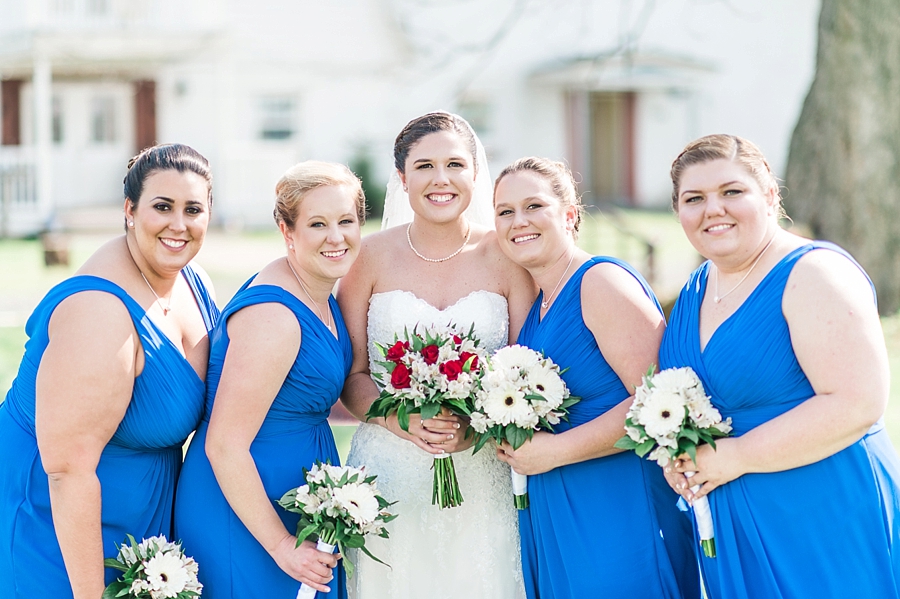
[
  {"x": 607, "y": 527},
  {"x": 137, "y": 469},
  {"x": 823, "y": 530},
  {"x": 294, "y": 434}
]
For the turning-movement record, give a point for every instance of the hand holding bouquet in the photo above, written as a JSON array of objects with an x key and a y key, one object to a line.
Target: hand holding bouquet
[
  {"x": 425, "y": 373},
  {"x": 672, "y": 415},
  {"x": 155, "y": 568},
  {"x": 521, "y": 392},
  {"x": 338, "y": 506}
]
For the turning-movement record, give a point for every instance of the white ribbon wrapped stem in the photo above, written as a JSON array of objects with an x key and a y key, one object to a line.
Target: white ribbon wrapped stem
[
  {"x": 519, "y": 482},
  {"x": 306, "y": 591},
  {"x": 702, "y": 513}
]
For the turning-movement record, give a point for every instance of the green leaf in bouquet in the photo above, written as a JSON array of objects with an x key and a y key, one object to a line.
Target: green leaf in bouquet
[
  {"x": 459, "y": 405},
  {"x": 112, "y": 562},
  {"x": 305, "y": 533},
  {"x": 367, "y": 552},
  {"x": 516, "y": 436},
  {"x": 690, "y": 434},
  {"x": 480, "y": 442},
  {"x": 568, "y": 403},
  {"x": 403, "y": 416},
  {"x": 430, "y": 410},
  {"x": 354, "y": 541},
  {"x": 645, "y": 447},
  {"x": 416, "y": 343},
  {"x": 691, "y": 451},
  {"x": 388, "y": 365},
  {"x": 626, "y": 443},
  {"x": 116, "y": 589},
  {"x": 535, "y": 397}
]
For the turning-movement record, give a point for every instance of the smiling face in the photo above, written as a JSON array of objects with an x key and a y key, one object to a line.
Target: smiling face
[
  {"x": 724, "y": 211},
  {"x": 326, "y": 235},
  {"x": 439, "y": 176},
  {"x": 533, "y": 226},
  {"x": 169, "y": 221}
]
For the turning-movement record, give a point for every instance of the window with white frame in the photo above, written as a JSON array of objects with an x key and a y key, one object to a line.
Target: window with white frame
[
  {"x": 277, "y": 117},
  {"x": 103, "y": 119}
]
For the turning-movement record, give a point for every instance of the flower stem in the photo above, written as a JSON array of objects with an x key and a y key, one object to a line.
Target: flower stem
[
  {"x": 709, "y": 547},
  {"x": 445, "y": 488},
  {"x": 521, "y": 501}
]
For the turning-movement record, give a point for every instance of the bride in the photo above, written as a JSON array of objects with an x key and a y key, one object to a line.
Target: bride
[{"x": 437, "y": 261}]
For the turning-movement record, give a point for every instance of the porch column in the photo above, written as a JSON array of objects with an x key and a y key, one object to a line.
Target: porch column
[{"x": 42, "y": 79}]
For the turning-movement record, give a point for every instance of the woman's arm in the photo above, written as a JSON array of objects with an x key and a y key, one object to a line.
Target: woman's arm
[
  {"x": 264, "y": 341},
  {"x": 353, "y": 294},
  {"x": 84, "y": 385},
  {"x": 628, "y": 328},
  {"x": 838, "y": 341}
]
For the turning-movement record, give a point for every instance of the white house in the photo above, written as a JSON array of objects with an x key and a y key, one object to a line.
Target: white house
[{"x": 615, "y": 87}]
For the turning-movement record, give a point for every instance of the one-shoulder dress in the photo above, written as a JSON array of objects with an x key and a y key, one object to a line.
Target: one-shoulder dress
[
  {"x": 823, "y": 530},
  {"x": 294, "y": 434},
  {"x": 607, "y": 527},
  {"x": 137, "y": 469}
]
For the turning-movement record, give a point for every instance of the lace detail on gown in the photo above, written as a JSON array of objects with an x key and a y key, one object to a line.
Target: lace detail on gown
[{"x": 467, "y": 552}]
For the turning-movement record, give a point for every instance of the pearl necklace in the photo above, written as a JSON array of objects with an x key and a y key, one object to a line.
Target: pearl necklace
[
  {"x": 718, "y": 298},
  {"x": 416, "y": 252},
  {"x": 326, "y": 322},
  {"x": 546, "y": 302}
]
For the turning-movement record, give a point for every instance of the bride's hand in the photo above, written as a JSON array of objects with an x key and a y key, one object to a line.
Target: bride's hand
[
  {"x": 533, "y": 457},
  {"x": 443, "y": 434},
  {"x": 305, "y": 563}
]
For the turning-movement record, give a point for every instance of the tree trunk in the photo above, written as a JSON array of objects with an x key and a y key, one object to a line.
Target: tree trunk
[{"x": 843, "y": 172}]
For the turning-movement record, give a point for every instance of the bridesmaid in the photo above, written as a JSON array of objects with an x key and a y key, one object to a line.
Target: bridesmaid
[
  {"x": 785, "y": 335},
  {"x": 277, "y": 364},
  {"x": 597, "y": 517},
  {"x": 110, "y": 386}
]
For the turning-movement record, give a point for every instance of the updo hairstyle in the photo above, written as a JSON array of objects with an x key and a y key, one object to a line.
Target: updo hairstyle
[
  {"x": 426, "y": 124},
  {"x": 724, "y": 147},
  {"x": 561, "y": 180},
  {"x": 303, "y": 178},
  {"x": 154, "y": 159}
]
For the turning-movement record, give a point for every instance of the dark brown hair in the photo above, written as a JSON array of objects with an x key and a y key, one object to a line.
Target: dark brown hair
[{"x": 426, "y": 124}]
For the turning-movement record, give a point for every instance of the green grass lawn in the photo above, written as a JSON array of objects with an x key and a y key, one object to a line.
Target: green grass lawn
[{"x": 231, "y": 259}]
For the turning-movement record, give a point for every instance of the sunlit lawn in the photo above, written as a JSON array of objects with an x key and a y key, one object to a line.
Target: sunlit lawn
[{"x": 231, "y": 259}]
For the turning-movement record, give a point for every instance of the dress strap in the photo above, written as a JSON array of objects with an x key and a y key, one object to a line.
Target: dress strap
[{"x": 208, "y": 309}]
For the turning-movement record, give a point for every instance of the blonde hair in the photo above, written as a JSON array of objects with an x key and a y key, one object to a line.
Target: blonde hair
[
  {"x": 557, "y": 174},
  {"x": 724, "y": 147},
  {"x": 306, "y": 176}
]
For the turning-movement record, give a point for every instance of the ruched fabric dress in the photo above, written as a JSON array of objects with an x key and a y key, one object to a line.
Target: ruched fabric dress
[
  {"x": 294, "y": 434},
  {"x": 823, "y": 530},
  {"x": 137, "y": 469},
  {"x": 607, "y": 527}
]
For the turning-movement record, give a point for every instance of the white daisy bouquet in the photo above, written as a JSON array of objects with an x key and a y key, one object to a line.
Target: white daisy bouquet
[
  {"x": 671, "y": 415},
  {"x": 155, "y": 568},
  {"x": 521, "y": 392},
  {"x": 425, "y": 373},
  {"x": 338, "y": 506}
]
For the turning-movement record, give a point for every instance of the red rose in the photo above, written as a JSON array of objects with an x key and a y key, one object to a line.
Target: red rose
[
  {"x": 464, "y": 356},
  {"x": 400, "y": 376},
  {"x": 457, "y": 339},
  {"x": 396, "y": 352},
  {"x": 430, "y": 354},
  {"x": 451, "y": 369}
]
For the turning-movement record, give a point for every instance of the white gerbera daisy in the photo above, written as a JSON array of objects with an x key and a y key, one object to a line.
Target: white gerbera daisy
[
  {"x": 547, "y": 383},
  {"x": 662, "y": 414},
  {"x": 358, "y": 501},
  {"x": 166, "y": 574},
  {"x": 506, "y": 403},
  {"x": 676, "y": 379},
  {"x": 515, "y": 357}
]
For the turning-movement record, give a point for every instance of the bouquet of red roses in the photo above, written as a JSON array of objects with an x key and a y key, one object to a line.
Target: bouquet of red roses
[{"x": 424, "y": 373}]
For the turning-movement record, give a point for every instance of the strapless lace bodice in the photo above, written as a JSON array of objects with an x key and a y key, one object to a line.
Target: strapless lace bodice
[
  {"x": 391, "y": 311},
  {"x": 467, "y": 552}
]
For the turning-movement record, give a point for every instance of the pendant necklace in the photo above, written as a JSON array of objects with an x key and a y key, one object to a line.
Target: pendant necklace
[
  {"x": 416, "y": 252},
  {"x": 546, "y": 302},
  {"x": 718, "y": 298},
  {"x": 165, "y": 309},
  {"x": 327, "y": 322}
]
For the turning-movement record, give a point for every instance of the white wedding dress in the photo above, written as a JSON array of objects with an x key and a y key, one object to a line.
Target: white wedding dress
[{"x": 466, "y": 552}]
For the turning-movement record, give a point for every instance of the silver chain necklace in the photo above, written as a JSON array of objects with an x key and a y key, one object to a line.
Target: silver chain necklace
[
  {"x": 546, "y": 302},
  {"x": 416, "y": 252},
  {"x": 165, "y": 309},
  {"x": 326, "y": 322},
  {"x": 718, "y": 298}
]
